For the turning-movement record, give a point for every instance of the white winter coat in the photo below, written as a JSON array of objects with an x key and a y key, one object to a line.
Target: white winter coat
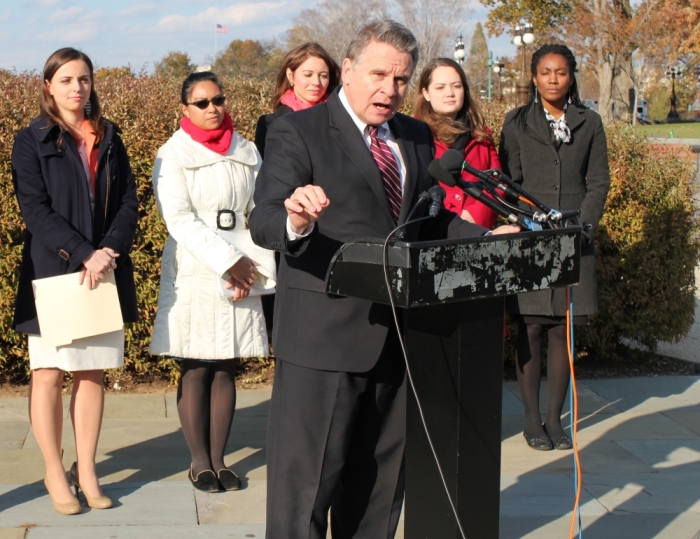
[{"x": 192, "y": 183}]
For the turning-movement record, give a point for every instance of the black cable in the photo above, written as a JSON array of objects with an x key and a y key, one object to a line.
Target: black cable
[{"x": 385, "y": 259}]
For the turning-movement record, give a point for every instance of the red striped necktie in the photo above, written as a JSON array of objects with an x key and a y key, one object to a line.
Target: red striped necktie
[{"x": 389, "y": 170}]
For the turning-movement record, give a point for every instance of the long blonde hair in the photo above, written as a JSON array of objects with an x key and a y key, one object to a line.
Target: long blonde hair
[{"x": 470, "y": 118}]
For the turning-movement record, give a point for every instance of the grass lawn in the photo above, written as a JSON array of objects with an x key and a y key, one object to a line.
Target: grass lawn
[{"x": 684, "y": 130}]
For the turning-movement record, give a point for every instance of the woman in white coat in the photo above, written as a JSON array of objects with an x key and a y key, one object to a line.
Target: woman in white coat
[{"x": 204, "y": 179}]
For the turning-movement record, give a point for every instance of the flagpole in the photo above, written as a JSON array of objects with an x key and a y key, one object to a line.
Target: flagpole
[{"x": 215, "y": 32}]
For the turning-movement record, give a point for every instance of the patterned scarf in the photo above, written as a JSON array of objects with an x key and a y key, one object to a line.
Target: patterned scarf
[{"x": 560, "y": 130}]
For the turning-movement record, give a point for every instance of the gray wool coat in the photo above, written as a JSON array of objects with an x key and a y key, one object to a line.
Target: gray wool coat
[{"x": 567, "y": 176}]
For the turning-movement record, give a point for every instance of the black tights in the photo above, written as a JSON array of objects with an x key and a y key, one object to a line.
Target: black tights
[
  {"x": 206, "y": 400},
  {"x": 529, "y": 350}
]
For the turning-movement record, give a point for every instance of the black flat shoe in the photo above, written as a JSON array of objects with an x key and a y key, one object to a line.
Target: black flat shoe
[
  {"x": 539, "y": 443},
  {"x": 205, "y": 481},
  {"x": 563, "y": 443},
  {"x": 229, "y": 480}
]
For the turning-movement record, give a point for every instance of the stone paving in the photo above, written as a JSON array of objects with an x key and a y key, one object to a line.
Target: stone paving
[{"x": 639, "y": 443}]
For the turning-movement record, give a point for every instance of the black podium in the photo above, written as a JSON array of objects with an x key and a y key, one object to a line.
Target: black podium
[{"x": 452, "y": 297}]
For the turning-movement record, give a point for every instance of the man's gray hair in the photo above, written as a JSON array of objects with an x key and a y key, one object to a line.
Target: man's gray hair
[{"x": 388, "y": 31}]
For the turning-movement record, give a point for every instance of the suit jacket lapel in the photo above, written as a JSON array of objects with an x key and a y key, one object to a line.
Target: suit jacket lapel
[
  {"x": 574, "y": 117},
  {"x": 349, "y": 138},
  {"x": 538, "y": 127},
  {"x": 408, "y": 153}
]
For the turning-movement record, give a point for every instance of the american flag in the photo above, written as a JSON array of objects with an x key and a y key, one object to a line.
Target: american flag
[{"x": 222, "y": 29}]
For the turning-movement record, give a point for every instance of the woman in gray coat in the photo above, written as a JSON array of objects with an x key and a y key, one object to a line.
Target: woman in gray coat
[{"x": 555, "y": 147}]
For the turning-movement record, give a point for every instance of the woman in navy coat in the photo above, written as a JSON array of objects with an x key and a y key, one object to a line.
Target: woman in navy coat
[
  {"x": 77, "y": 197},
  {"x": 555, "y": 147}
]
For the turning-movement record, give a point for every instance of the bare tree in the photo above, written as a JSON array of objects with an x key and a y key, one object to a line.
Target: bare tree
[
  {"x": 333, "y": 23},
  {"x": 435, "y": 23}
]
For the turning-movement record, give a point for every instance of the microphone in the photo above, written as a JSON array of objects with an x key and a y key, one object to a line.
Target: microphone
[
  {"x": 438, "y": 171},
  {"x": 437, "y": 196},
  {"x": 454, "y": 162}
]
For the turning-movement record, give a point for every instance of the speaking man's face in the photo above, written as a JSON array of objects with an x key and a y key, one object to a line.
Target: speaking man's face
[{"x": 377, "y": 83}]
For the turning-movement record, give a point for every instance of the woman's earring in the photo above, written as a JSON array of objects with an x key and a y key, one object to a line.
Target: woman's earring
[
  {"x": 88, "y": 109},
  {"x": 569, "y": 94},
  {"x": 535, "y": 94}
]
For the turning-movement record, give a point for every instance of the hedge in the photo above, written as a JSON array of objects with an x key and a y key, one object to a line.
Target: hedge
[{"x": 648, "y": 247}]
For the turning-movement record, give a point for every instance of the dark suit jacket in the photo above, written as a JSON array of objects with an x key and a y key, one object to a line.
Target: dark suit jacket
[
  {"x": 323, "y": 146},
  {"x": 52, "y": 190},
  {"x": 264, "y": 123},
  {"x": 568, "y": 176}
]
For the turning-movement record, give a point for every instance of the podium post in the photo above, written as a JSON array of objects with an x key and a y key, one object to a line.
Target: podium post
[
  {"x": 455, "y": 352},
  {"x": 451, "y": 294}
]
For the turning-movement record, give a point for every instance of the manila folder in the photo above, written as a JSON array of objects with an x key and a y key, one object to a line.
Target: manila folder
[{"x": 69, "y": 311}]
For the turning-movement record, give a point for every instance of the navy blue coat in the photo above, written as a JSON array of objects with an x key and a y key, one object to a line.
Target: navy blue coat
[{"x": 53, "y": 194}]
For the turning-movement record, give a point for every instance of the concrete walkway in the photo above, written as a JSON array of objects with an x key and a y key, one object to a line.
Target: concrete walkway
[{"x": 639, "y": 443}]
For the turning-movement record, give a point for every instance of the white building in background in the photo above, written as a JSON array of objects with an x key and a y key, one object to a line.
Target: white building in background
[{"x": 642, "y": 108}]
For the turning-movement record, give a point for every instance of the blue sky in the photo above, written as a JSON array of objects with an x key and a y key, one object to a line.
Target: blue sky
[{"x": 139, "y": 33}]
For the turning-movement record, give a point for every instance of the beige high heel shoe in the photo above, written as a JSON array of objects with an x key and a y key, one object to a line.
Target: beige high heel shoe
[
  {"x": 70, "y": 508},
  {"x": 100, "y": 502}
]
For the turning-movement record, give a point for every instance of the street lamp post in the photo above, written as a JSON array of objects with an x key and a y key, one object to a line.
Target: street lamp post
[
  {"x": 498, "y": 68},
  {"x": 459, "y": 50},
  {"x": 673, "y": 73},
  {"x": 523, "y": 35},
  {"x": 490, "y": 65}
]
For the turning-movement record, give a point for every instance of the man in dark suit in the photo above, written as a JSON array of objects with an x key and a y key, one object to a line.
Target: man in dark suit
[{"x": 331, "y": 174}]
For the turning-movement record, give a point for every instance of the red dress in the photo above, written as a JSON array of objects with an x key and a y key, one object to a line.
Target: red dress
[{"x": 481, "y": 155}]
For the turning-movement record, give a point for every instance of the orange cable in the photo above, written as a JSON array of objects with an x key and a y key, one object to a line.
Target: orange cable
[{"x": 574, "y": 419}]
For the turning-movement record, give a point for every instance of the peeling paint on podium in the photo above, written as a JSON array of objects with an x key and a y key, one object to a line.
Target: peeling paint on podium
[{"x": 428, "y": 273}]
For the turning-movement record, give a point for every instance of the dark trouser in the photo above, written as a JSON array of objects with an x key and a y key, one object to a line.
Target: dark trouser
[{"x": 336, "y": 440}]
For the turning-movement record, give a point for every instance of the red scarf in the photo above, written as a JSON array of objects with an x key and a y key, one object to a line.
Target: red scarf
[
  {"x": 290, "y": 99},
  {"x": 217, "y": 140}
]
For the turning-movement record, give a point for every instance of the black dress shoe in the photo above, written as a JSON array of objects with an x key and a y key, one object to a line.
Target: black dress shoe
[
  {"x": 205, "y": 481},
  {"x": 563, "y": 443},
  {"x": 229, "y": 480},
  {"x": 539, "y": 443}
]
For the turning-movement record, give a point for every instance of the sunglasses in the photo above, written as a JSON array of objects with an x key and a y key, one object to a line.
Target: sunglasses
[{"x": 203, "y": 104}]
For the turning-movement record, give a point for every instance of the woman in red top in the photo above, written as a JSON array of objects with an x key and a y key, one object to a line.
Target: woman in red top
[{"x": 457, "y": 122}]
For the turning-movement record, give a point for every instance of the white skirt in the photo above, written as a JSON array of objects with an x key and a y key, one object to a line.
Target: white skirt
[{"x": 104, "y": 351}]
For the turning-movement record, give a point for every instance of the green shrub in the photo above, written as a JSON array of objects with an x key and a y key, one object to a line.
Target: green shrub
[
  {"x": 647, "y": 247},
  {"x": 147, "y": 109}
]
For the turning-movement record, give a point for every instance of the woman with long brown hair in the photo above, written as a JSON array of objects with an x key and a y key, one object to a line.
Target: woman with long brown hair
[
  {"x": 456, "y": 120},
  {"x": 307, "y": 76},
  {"x": 78, "y": 201}
]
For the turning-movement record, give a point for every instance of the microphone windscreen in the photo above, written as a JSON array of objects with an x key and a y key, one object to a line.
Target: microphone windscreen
[
  {"x": 436, "y": 170},
  {"x": 452, "y": 161}
]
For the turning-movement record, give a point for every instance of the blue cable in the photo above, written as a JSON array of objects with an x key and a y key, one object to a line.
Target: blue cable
[{"x": 571, "y": 409}]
